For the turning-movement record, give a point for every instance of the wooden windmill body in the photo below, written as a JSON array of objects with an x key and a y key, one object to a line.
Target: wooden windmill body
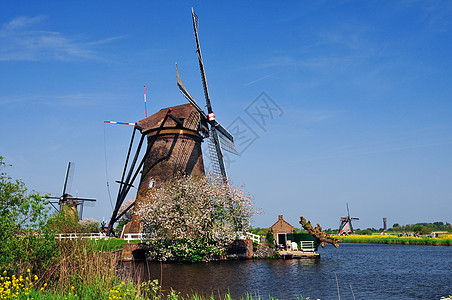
[{"x": 176, "y": 150}]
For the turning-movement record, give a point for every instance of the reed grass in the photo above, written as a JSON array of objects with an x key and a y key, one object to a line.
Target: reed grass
[
  {"x": 111, "y": 244},
  {"x": 81, "y": 269}
]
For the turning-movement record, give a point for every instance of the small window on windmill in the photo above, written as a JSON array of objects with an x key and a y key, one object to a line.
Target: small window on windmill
[{"x": 152, "y": 183}]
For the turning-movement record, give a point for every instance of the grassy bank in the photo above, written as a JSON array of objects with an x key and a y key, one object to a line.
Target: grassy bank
[
  {"x": 28, "y": 286},
  {"x": 445, "y": 240}
]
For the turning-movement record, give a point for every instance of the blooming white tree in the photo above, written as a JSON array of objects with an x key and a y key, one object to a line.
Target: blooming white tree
[{"x": 194, "y": 218}]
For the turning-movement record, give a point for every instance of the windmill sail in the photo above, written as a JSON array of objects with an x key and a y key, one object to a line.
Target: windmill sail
[
  {"x": 68, "y": 178},
  {"x": 219, "y": 137},
  {"x": 213, "y": 156},
  {"x": 216, "y": 156},
  {"x": 201, "y": 64},
  {"x": 226, "y": 143},
  {"x": 187, "y": 95},
  {"x": 211, "y": 116},
  {"x": 226, "y": 137}
]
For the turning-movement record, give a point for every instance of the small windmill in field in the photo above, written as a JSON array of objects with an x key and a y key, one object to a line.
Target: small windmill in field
[
  {"x": 66, "y": 198},
  {"x": 346, "y": 224}
]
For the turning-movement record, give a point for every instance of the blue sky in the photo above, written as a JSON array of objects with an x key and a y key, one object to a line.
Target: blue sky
[{"x": 359, "y": 91}]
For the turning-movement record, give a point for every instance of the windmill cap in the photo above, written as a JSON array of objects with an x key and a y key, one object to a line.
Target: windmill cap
[{"x": 154, "y": 121}]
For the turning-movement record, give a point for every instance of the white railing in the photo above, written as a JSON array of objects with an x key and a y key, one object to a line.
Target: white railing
[
  {"x": 73, "y": 236},
  {"x": 137, "y": 236},
  {"x": 307, "y": 246},
  {"x": 133, "y": 237},
  {"x": 244, "y": 235},
  {"x": 254, "y": 237}
]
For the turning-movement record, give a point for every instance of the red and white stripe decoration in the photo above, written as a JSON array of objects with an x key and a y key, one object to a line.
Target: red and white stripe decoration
[
  {"x": 121, "y": 123},
  {"x": 145, "y": 108}
]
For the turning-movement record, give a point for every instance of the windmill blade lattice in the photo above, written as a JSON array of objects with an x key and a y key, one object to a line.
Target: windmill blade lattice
[
  {"x": 213, "y": 156},
  {"x": 226, "y": 143}
]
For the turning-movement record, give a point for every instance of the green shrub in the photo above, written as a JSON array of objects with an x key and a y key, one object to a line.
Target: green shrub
[
  {"x": 25, "y": 243},
  {"x": 365, "y": 232}
]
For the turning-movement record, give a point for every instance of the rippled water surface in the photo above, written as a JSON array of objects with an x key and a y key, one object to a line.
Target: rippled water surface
[{"x": 363, "y": 270}]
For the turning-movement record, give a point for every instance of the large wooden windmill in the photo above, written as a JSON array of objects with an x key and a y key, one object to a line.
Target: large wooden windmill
[
  {"x": 346, "y": 224},
  {"x": 174, "y": 138}
]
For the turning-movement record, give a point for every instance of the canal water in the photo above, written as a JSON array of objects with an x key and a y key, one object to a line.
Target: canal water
[{"x": 363, "y": 271}]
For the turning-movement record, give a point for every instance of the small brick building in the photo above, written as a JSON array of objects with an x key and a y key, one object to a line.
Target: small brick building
[{"x": 280, "y": 230}]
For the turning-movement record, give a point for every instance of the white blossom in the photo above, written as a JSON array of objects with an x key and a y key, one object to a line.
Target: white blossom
[{"x": 193, "y": 218}]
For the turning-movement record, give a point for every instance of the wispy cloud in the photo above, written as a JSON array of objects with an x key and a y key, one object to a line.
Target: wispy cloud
[
  {"x": 21, "y": 40},
  {"x": 261, "y": 78},
  {"x": 368, "y": 149},
  {"x": 21, "y": 22},
  {"x": 435, "y": 15},
  {"x": 68, "y": 100}
]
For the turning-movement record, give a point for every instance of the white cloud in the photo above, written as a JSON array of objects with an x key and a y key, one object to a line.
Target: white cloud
[
  {"x": 22, "y": 40},
  {"x": 68, "y": 100},
  {"x": 19, "y": 22}
]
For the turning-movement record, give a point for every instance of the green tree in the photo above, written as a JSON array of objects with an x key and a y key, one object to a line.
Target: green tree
[
  {"x": 418, "y": 228},
  {"x": 24, "y": 241},
  {"x": 270, "y": 239},
  {"x": 17, "y": 206},
  {"x": 365, "y": 231}
]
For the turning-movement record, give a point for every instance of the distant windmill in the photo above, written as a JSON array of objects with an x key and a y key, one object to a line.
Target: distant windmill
[
  {"x": 65, "y": 197},
  {"x": 346, "y": 224}
]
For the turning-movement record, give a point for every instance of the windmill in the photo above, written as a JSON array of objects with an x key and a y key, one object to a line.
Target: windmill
[
  {"x": 65, "y": 197},
  {"x": 346, "y": 224},
  {"x": 174, "y": 137},
  {"x": 219, "y": 138}
]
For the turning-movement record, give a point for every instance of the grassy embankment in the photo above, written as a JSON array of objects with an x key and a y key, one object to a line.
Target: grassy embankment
[
  {"x": 29, "y": 286},
  {"x": 445, "y": 240},
  {"x": 79, "y": 269},
  {"x": 86, "y": 269}
]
